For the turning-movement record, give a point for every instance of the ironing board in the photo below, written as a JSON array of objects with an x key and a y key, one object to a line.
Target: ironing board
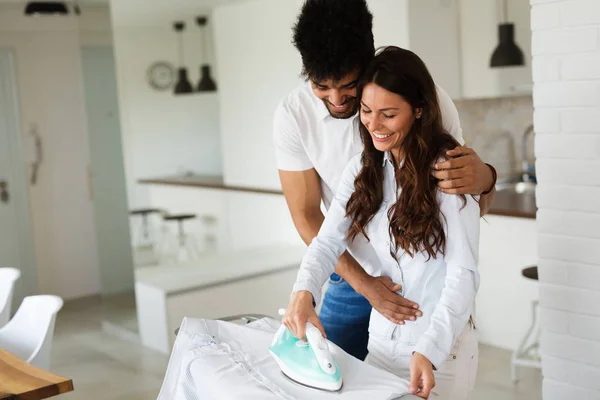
[{"x": 215, "y": 359}]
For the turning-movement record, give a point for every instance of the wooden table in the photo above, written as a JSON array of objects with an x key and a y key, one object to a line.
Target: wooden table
[{"x": 22, "y": 381}]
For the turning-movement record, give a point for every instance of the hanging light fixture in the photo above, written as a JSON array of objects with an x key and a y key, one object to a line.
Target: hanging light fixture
[
  {"x": 46, "y": 7},
  {"x": 507, "y": 53},
  {"x": 183, "y": 84},
  {"x": 206, "y": 84}
]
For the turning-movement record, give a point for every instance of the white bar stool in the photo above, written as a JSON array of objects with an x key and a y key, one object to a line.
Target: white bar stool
[
  {"x": 528, "y": 352},
  {"x": 145, "y": 236},
  {"x": 182, "y": 246}
]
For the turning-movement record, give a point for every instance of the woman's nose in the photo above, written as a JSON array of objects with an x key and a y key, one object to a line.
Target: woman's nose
[{"x": 372, "y": 125}]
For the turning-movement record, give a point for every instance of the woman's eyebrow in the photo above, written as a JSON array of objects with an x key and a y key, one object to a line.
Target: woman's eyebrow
[{"x": 383, "y": 109}]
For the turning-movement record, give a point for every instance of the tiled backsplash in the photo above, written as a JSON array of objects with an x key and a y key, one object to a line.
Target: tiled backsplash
[{"x": 495, "y": 127}]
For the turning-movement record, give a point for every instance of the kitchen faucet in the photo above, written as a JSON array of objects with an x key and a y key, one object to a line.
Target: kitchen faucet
[{"x": 528, "y": 169}]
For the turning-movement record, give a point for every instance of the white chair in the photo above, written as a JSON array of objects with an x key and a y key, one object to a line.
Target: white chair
[
  {"x": 8, "y": 277},
  {"x": 29, "y": 334}
]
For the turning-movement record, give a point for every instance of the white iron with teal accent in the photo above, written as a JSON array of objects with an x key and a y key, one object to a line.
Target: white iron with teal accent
[{"x": 309, "y": 362}]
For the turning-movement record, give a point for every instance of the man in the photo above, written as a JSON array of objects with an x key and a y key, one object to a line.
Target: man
[{"x": 316, "y": 134}]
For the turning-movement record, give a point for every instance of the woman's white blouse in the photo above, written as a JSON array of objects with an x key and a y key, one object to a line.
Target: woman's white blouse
[{"x": 443, "y": 287}]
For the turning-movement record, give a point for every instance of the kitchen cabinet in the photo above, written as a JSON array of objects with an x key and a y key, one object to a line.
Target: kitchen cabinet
[
  {"x": 503, "y": 303},
  {"x": 456, "y": 39}
]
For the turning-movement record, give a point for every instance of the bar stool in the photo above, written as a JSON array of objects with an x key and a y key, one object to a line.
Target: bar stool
[
  {"x": 182, "y": 243},
  {"x": 146, "y": 238},
  {"x": 528, "y": 355}
]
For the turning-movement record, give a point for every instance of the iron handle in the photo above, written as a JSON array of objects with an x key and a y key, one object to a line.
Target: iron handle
[{"x": 4, "y": 195}]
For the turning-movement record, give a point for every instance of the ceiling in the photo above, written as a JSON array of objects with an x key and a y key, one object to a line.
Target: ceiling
[
  {"x": 136, "y": 3},
  {"x": 131, "y": 13}
]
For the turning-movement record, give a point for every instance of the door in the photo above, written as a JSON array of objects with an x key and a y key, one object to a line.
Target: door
[
  {"x": 16, "y": 247},
  {"x": 108, "y": 172}
]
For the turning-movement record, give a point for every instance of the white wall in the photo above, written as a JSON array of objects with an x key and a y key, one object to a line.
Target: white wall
[
  {"x": 258, "y": 65},
  {"x": 437, "y": 19},
  {"x": 50, "y": 90},
  {"x": 566, "y": 50},
  {"x": 163, "y": 134},
  {"x": 390, "y": 22}
]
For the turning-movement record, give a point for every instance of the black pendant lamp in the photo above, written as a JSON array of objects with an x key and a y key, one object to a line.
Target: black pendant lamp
[
  {"x": 46, "y": 7},
  {"x": 507, "y": 53},
  {"x": 206, "y": 84},
  {"x": 183, "y": 84}
]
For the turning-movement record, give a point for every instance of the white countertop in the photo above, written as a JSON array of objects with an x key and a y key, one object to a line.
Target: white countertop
[{"x": 218, "y": 268}]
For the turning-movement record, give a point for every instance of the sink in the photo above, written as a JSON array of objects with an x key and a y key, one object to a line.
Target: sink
[
  {"x": 517, "y": 187},
  {"x": 516, "y": 184},
  {"x": 515, "y": 199}
]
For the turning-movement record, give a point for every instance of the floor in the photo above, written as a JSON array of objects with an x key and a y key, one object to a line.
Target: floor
[
  {"x": 101, "y": 365},
  {"x": 119, "y": 310},
  {"x": 105, "y": 367}
]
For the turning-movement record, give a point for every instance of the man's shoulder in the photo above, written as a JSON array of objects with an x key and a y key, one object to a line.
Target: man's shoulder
[{"x": 298, "y": 101}]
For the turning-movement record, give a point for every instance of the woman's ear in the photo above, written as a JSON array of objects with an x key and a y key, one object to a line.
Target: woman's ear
[{"x": 418, "y": 112}]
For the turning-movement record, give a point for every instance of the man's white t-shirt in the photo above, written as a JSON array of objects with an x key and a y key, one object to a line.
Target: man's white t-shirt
[{"x": 306, "y": 136}]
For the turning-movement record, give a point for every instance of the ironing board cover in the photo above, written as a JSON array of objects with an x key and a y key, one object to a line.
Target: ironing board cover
[{"x": 222, "y": 360}]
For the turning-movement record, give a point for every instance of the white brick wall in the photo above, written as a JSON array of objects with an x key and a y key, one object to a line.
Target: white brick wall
[{"x": 566, "y": 74}]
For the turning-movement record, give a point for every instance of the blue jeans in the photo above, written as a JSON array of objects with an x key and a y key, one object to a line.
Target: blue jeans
[{"x": 345, "y": 317}]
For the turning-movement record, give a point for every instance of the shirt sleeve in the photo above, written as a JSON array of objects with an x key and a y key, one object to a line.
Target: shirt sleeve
[
  {"x": 462, "y": 279},
  {"x": 450, "y": 118},
  {"x": 289, "y": 150},
  {"x": 324, "y": 251}
]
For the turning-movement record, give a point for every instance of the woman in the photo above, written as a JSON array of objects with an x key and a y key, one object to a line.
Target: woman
[{"x": 426, "y": 240}]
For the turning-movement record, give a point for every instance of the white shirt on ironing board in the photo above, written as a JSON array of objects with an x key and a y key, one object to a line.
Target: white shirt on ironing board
[
  {"x": 444, "y": 287},
  {"x": 217, "y": 360},
  {"x": 306, "y": 136}
]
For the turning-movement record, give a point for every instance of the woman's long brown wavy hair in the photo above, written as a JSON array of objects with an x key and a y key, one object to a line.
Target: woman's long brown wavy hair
[{"x": 415, "y": 220}]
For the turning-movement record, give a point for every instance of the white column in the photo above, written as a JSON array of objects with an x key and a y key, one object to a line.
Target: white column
[{"x": 566, "y": 74}]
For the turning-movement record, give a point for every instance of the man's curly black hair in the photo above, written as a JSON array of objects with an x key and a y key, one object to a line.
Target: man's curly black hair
[{"x": 334, "y": 38}]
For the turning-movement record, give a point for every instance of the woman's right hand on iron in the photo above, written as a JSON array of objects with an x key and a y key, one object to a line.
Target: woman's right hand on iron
[{"x": 299, "y": 311}]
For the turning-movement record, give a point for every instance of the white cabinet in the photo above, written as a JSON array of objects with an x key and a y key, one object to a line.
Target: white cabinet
[
  {"x": 507, "y": 245},
  {"x": 456, "y": 39}
]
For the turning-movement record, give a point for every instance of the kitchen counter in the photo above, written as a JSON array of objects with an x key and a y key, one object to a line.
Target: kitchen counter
[
  {"x": 205, "y": 181},
  {"x": 506, "y": 202}
]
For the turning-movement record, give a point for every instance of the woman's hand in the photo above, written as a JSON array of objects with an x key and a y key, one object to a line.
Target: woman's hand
[
  {"x": 421, "y": 376},
  {"x": 299, "y": 312}
]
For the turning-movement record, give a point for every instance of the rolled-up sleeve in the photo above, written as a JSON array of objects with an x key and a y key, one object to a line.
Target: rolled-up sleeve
[
  {"x": 324, "y": 251},
  {"x": 462, "y": 279}
]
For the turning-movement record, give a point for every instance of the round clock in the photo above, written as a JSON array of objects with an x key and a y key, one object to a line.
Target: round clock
[{"x": 161, "y": 75}]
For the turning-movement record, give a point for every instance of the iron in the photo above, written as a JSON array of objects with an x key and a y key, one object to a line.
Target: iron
[{"x": 306, "y": 362}]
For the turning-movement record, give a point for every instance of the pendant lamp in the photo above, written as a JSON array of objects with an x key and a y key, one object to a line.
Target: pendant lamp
[
  {"x": 507, "y": 53},
  {"x": 206, "y": 83},
  {"x": 183, "y": 84},
  {"x": 46, "y": 7}
]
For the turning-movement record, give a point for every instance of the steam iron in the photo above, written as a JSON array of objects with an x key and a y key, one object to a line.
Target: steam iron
[{"x": 306, "y": 362}]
